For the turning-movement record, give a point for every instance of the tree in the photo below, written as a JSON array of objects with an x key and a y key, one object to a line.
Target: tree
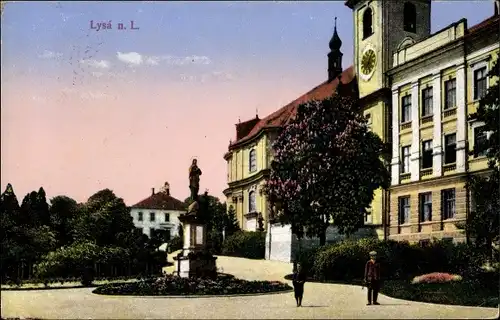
[
  {"x": 326, "y": 168},
  {"x": 63, "y": 210},
  {"x": 489, "y": 112},
  {"x": 35, "y": 209},
  {"x": 482, "y": 223},
  {"x": 11, "y": 241},
  {"x": 231, "y": 224},
  {"x": 104, "y": 219}
]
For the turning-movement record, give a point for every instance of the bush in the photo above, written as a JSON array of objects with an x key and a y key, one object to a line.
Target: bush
[
  {"x": 246, "y": 244},
  {"x": 80, "y": 260},
  {"x": 176, "y": 243},
  {"x": 174, "y": 285},
  {"x": 399, "y": 260},
  {"x": 466, "y": 293}
]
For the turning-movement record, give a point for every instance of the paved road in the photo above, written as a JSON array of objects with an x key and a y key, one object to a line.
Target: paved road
[{"x": 320, "y": 301}]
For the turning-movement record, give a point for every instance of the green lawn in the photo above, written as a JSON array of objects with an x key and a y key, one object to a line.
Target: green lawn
[
  {"x": 57, "y": 285},
  {"x": 463, "y": 293}
]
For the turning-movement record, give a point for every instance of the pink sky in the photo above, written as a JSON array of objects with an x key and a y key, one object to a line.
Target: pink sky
[{"x": 126, "y": 137}]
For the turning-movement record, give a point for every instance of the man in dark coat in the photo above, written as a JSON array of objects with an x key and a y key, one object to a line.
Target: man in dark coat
[
  {"x": 299, "y": 278},
  {"x": 372, "y": 278}
]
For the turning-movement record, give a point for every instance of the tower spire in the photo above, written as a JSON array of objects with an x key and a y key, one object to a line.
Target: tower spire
[{"x": 335, "y": 55}]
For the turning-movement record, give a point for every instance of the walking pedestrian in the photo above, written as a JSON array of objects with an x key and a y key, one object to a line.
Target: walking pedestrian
[
  {"x": 372, "y": 278},
  {"x": 299, "y": 278}
]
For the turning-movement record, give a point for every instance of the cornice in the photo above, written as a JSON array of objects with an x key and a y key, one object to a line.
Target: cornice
[
  {"x": 243, "y": 143},
  {"x": 264, "y": 173}
]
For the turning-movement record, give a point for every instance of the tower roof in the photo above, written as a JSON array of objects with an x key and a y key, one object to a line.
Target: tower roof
[{"x": 335, "y": 42}]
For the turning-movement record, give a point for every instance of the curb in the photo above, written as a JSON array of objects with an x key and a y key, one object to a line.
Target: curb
[{"x": 196, "y": 296}]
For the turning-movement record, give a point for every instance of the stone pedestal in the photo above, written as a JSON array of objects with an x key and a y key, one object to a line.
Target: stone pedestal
[{"x": 194, "y": 260}]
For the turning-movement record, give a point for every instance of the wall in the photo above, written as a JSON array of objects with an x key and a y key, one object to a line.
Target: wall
[
  {"x": 239, "y": 160},
  {"x": 159, "y": 222},
  {"x": 437, "y": 228},
  {"x": 376, "y": 125},
  {"x": 238, "y": 196},
  {"x": 282, "y": 245},
  {"x": 434, "y": 42}
]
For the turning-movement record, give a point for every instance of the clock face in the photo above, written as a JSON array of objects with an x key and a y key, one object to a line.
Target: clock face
[{"x": 368, "y": 62}]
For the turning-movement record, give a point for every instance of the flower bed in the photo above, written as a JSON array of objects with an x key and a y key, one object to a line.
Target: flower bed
[
  {"x": 465, "y": 292},
  {"x": 436, "y": 277},
  {"x": 170, "y": 285}
]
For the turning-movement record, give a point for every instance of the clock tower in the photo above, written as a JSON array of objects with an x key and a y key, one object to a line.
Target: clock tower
[{"x": 381, "y": 27}]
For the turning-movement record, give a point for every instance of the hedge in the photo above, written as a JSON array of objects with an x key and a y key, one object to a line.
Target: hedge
[
  {"x": 87, "y": 260},
  {"x": 246, "y": 244},
  {"x": 345, "y": 260}
]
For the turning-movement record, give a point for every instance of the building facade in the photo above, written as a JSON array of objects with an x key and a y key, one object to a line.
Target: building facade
[
  {"x": 160, "y": 211},
  {"x": 249, "y": 156},
  {"x": 419, "y": 92},
  {"x": 436, "y": 87}
]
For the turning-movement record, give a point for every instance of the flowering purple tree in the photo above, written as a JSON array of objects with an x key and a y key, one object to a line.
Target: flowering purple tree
[{"x": 326, "y": 167}]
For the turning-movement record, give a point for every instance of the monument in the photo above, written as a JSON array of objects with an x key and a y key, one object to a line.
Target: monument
[{"x": 194, "y": 260}]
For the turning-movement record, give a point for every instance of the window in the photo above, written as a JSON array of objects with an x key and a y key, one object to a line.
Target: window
[
  {"x": 425, "y": 207},
  {"x": 140, "y": 216},
  {"x": 450, "y": 148},
  {"x": 167, "y": 217},
  {"x": 368, "y": 216},
  {"x": 448, "y": 203},
  {"x": 450, "y": 98},
  {"x": 152, "y": 216},
  {"x": 480, "y": 78},
  {"x": 406, "y": 109},
  {"x": 480, "y": 141},
  {"x": 427, "y": 102},
  {"x": 252, "y": 158},
  {"x": 367, "y": 23},
  {"x": 252, "y": 204},
  {"x": 410, "y": 17},
  {"x": 427, "y": 154},
  {"x": 405, "y": 163},
  {"x": 151, "y": 232},
  {"x": 404, "y": 210}
]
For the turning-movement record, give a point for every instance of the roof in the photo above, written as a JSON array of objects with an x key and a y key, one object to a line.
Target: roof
[
  {"x": 493, "y": 20},
  {"x": 285, "y": 114},
  {"x": 161, "y": 201}
]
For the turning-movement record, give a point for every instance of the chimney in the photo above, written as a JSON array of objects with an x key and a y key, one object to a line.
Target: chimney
[
  {"x": 166, "y": 188},
  {"x": 152, "y": 191}
]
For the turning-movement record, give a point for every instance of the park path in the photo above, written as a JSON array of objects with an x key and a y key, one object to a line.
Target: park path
[{"x": 320, "y": 301}]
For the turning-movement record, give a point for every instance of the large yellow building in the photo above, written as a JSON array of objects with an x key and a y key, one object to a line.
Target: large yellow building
[
  {"x": 420, "y": 92},
  {"x": 436, "y": 85}
]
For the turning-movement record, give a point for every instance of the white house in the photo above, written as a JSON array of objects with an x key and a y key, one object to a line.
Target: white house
[{"x": 158, "y": 211}]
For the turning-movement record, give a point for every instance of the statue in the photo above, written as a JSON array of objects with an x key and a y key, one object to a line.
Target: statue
[{"x": 194, "y": 179}]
